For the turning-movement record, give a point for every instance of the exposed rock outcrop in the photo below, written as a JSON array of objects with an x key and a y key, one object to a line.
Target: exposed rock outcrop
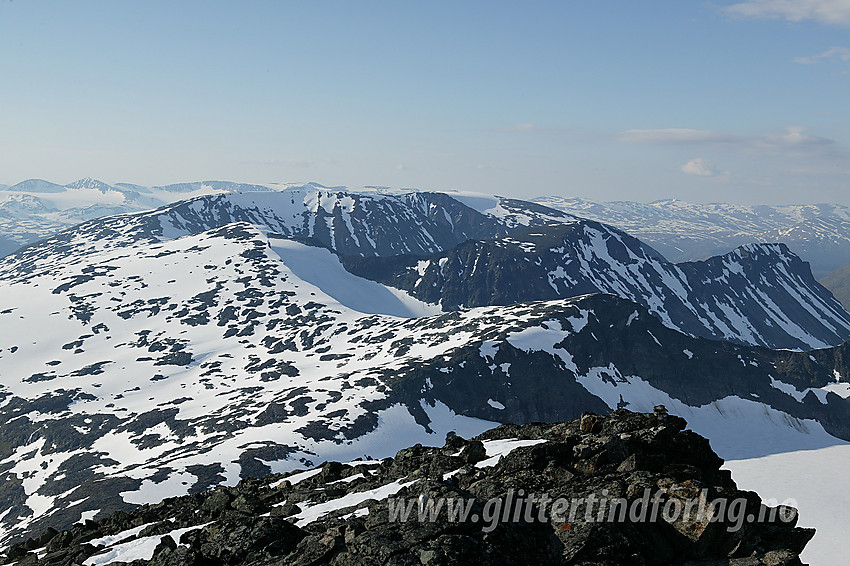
[{"x": 467, "y": 505}]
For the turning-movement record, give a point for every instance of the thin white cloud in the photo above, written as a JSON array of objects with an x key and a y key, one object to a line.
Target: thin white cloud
[
  {"x": 675, "y": 136},
  {"x": 824, "y": 11},
  {"x": 698, "y": 167},
  {"x": 840, "y": 53},
  {"x": 833, "y": 54},
  {"x": 793, "y": 138}
]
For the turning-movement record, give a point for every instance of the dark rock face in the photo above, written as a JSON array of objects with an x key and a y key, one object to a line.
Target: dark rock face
[
  {"x": 620, "y": 339},
  {"x": 760, "y": 295},
  {"x": 350, "y": 223},
  {"x": 353, "y": 514}
]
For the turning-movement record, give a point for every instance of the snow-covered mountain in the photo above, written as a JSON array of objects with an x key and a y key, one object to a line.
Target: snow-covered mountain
[
  {"x": 758, "y": 294},
  {"x": 682, "y": 231},
  {"x": 37, "y": 186},
  {"x": 443, "y": 251},
  {"x": 362, "y": 224},
  {"x": 35, "y": 208},
  {"x": 154, "y": 354}
]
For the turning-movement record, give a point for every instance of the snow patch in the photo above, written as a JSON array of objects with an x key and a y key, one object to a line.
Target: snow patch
[
  {"x": 322, "y": 269},
  {"x": 497, "y": 448}
]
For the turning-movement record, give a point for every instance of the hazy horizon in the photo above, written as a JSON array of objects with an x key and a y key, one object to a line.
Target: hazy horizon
[{"x": 432, "y": 189}]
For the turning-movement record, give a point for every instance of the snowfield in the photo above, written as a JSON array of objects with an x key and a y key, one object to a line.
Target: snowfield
[{"x": 816, "y": 480}]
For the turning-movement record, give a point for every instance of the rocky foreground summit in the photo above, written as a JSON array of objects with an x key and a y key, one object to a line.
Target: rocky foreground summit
[{"x": 490, "y": 500}]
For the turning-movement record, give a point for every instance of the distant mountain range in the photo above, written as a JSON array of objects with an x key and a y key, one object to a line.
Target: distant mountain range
[
  {"x": 682, "y": 231},
  {"x": 35, "y": 208},
  {"x": 230, "y": 335}
]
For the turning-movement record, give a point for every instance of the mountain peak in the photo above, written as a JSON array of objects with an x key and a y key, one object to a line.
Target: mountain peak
[
  {"x": 37, "y": 186},
  {"x": 90, "y": 183}
]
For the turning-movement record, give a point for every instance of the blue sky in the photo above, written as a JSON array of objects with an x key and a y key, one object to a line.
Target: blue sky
[{"x": 742, "y": 101}]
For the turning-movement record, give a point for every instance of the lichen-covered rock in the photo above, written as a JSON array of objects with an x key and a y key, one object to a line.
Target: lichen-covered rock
[{"x": 626, "y": 488}]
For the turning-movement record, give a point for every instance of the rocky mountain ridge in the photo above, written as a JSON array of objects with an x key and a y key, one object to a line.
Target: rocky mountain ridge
[
  {"x": 347, "y": 514},
  {"x": 758, "y": 294}
]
